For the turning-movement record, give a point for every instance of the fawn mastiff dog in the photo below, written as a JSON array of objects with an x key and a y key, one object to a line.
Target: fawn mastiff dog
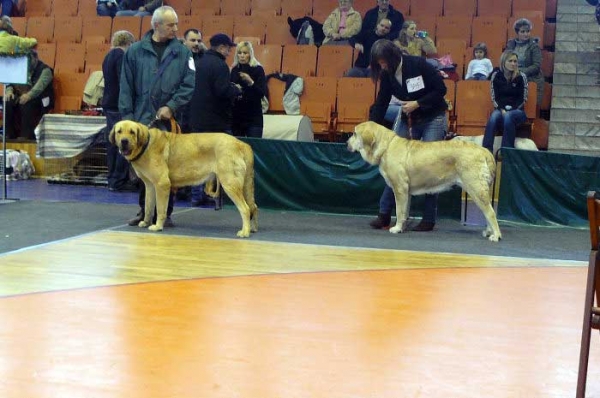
[
  {"x": 415, "y": 167},
  {"x": 165, "y": 160}
]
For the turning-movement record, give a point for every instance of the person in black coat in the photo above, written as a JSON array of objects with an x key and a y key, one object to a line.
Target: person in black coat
[
  {"x": 363, "y": 42},
  {"x": 421, "y": 91},
  {"x": 248, "y": 73},
  {"x": 383, "y": 10},
  {"x": 212, "y": 103},
  {"x": 118, "y": 167}
]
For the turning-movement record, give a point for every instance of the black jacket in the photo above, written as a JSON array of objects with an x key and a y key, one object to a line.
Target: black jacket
[
  {"x": 370, "y": 21},
  {"x": 111, "y": 70},
  {"x": 430, "y": 97},
  {"x": 247, "y": 109},
  {"x": 212, "y": 102},
  {"x": 367, "y": 38},
  {"x": 505, "y": 93}
]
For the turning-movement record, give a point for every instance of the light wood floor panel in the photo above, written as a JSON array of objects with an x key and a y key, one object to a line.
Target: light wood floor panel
[
  {"x": 112, "y": 258},
  {"x": 470, "y": 332}
]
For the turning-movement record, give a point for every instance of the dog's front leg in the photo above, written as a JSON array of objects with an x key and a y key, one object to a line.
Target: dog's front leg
[
  {"x": 162, "y": 189},
  {"x": 149, "y": 203},
  {"x": 402, "y": 203}
]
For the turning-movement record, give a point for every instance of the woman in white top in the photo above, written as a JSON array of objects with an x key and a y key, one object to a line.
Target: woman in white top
[{"x": 480, "y": 66}]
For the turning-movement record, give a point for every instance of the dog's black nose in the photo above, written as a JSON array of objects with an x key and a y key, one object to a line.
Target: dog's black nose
[{"x": 124, "y": 143}]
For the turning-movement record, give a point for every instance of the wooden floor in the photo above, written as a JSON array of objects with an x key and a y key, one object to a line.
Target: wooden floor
[{"x": 122, "y": 314}]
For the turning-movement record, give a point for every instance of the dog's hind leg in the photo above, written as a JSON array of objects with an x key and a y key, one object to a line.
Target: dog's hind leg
[
  {"x": 233, "y": 185},
  {"x": 482, "y": 198},
  {"x": 249, "y": 194}
]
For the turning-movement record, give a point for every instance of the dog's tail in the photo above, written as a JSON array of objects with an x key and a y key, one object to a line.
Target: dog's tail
[
  {"x": 491, "y": 165},
  {"x": 212, "y": 187}
]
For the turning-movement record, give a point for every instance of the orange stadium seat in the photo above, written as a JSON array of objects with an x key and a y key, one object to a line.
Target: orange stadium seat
[
  {"x": 299, "y": 60},
  {"x": 217, "y": 24},
  {"x": 318, "y": 103},
  {"x": 520, "y": 7},
  {"x": 181, "y": 7},
  {"x": 70, "y": 56},
  {"x": 94, "y": 26},
  {"x": 297, "y": 8},
  {"x": 191, "y": 22},
  {"x": 551, "y": 6},
  {"x": 549, "y": 34},
  {"x": 42, "y": 28},
  {"x": 47, "y": 53},
  {"x": 146, "y": 25},
  {"x": 454, "y": 28},
  {"x": 266, "y": 5},
  {"x": 39, "y": 8},
  {"x": 460, "y": 7},
  {"x": 278, "y": 32},
  {"x": 494, "y": 8},
  {"x": 130, "y": 23},
  {"x": 69, "y": 29},
  {"x": 20, "y": 25},
  {"x": 547, "y": 63},
  {"x": 426, "y": 7},
  {"x": 65, "y": 7},
  {"x": 403, "y": 6},
  {"x": 490, "y": 30},
  {"x": 95, "y": 53},
  {"x": 473, "y": 106},
  {"x": 87, "y": 8},
  {"x": 249, "y": 26},
  {"x": 457, "y": 49},
  {"x": 235, "y": 7},
  {"x": 334, "y": 61},
  {"x": 198, "y": 5},
  {"x": 276, "y": 89},
  {"x": 324, "y": 6},
  {"x": 354, "y": 98},
  {"x": 269, "y": 56},
  {"x": 451, "y": 97}
]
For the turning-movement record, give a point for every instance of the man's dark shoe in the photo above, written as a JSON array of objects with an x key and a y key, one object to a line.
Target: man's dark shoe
[
  {"x": 424, "y": 226},
  {"x": 381, "y": 222},
  {"x": 136, "y": 220},
  {"x": 125, "y": 187},
  {"x": 169, "y": 223},
  {"x": 203, "y": 202}
]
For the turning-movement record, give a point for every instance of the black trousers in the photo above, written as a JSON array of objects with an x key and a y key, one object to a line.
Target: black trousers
[{"x": 21, "y": 120}]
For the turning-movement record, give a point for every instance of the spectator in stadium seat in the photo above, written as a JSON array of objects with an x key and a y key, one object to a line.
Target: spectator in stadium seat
[
  {"x": 413, "y": 42},
  {"x": 363, "y": 43},
  {"x": 384, "y": 10},
  {"x": 118, "y": 167},
  {"x": 154, "y": 94},
  {"x": 509, "y": 93},
  {"x": 27, "y": 103},
  {"x": 343, "y": 23},
  {"x": 138, "y": 8},
  {"x": 529, "y": 53},
  {"x": 480, "y": 66},
  {"x": 7, "y": 7}
]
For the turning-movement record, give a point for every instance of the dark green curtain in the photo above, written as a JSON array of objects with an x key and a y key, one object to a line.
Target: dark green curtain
[
  {"x": 546, "y": 188},
  {"x": 324, "y": 177}
]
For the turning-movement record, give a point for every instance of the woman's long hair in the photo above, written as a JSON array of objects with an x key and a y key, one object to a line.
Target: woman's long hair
[
  {"x": 403, "y": 38},
  {"x": 504, "y": 57},
  {"x": 247, "y": 44},
  {"x": 384, "y": 50}
]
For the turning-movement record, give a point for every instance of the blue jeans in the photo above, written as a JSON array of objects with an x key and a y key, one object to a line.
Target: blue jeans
[
  {"x": 507, "y": 123},
  {"x": 392, "y": 113},
  {"x": 7, "y": 6},
  {"x": 430, "y": 130}
]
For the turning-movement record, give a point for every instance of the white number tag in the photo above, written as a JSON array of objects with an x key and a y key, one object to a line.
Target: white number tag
[{"x": 415, "y": 84}]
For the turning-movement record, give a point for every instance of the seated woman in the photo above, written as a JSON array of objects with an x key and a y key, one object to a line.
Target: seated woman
[
  {"x": 528, "y": 50},
  {"x": 509, "y": 93},
  {"x": 343, "y": 23},
  {"x": 413, "y": 43}
]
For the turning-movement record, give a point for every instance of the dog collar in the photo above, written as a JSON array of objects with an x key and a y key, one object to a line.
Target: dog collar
[{"x": 142, "y": 151}]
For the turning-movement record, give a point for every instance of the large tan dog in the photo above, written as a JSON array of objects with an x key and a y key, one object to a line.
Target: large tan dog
[
  {"x": 164, "y": 160},
  {"x": 416, "y": 167}
]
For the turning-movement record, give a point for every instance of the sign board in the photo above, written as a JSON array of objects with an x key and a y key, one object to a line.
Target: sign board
[{"x": 13, "y": 70}]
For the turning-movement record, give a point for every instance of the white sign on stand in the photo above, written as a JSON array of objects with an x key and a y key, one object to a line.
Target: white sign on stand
[{"x": 13, "y": 70}]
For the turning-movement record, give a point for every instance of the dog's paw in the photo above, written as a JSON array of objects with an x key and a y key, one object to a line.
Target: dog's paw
[
  {"x": 155, "y": 228},
  {"x": 396, "y": 229},
  {"x": 243, "y": 234},
  {"x": 495, "y": 238},
  {"x": 143, "y": 224}
]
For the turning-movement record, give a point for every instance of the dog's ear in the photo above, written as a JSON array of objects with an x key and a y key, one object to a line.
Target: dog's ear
[
  {"x": 141, "y": 134},
  {"x": 111, "y": 135}
]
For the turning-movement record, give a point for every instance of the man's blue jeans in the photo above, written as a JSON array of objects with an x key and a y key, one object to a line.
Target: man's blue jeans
[{"x": 430, "y": 130}]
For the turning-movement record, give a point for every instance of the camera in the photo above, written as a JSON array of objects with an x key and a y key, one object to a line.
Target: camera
[{"x": 422, "y": 34}]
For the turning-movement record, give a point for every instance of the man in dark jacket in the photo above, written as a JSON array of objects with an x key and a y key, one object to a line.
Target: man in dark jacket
[
  {"x": 383, "y": 10},
  {"x": 212, "y": 102},
  {"x": 363, "y": 42},
  {"x": 27, "y": 103},
  {"x": 157, "y": 78}
]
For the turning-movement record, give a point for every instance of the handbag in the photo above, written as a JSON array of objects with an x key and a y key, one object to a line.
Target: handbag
[
  {"x": 445, "y": 62},
  {"x": 264, "y": 103}
]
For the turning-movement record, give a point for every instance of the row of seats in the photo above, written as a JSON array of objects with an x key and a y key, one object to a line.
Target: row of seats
[
  {"x": 274, "y": 30},
  {"x": 504, "y": 8}
]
